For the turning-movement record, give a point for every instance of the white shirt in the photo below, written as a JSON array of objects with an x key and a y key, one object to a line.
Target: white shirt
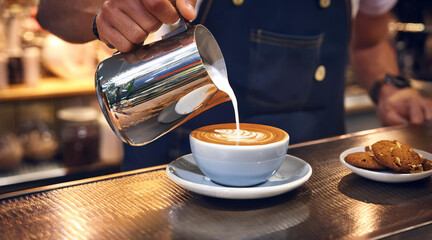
[{"x": 372, "y": 7}]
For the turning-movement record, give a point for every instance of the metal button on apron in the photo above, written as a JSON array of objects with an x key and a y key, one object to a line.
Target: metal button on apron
[
  {"x": 325, "y": 3},
  {"x": 238, "y": 2},
  {"x": 320, "y": 73}
]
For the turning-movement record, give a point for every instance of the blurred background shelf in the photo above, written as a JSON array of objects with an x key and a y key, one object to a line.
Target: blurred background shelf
[{"x": 48, "y": 88}]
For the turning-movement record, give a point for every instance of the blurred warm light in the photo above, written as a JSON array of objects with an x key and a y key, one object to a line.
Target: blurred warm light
[{"x": 406, "y": 27}]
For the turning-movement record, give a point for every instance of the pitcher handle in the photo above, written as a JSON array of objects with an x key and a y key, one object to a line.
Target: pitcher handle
[{"x": 184, "y": 24}]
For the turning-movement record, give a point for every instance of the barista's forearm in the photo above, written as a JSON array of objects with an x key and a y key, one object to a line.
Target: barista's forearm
[
  {"x": 69, "y": 20},
  {"x": 373, "y": 63},
  {"x": 372, "y": 54}
]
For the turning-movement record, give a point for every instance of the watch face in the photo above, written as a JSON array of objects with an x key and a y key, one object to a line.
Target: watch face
[{"x": 398, "y": 81}]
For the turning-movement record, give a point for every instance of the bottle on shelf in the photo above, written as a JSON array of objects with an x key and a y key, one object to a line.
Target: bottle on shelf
[
  {"x": 14, "y": 47},
  {"x": 79, "y": 135}
]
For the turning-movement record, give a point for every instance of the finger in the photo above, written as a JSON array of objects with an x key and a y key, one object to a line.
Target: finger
[
  {"x": 142, "y": 17},
  {"x": 415, "y": 112},
  {"x": 162, "y": 10},
  {"x": 108, "y": 32},
  {"x": 110, "y": 36},
  {"x": 187, "y": 8},
  {"x": 128, "y": 28}
]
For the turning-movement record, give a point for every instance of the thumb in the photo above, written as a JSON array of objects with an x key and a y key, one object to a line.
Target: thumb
[{"x": 187, "y": 8}]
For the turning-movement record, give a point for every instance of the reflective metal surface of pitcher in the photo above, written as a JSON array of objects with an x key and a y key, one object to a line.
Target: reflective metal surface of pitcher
[{"x": 155, "y": 88}]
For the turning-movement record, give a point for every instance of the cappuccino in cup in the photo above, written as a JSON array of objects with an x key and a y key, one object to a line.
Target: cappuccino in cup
[
  {"x": 239, "y": 157},
  {"x": 248, "y": 134}
]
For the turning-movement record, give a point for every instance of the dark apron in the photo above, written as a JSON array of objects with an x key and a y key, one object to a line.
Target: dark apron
[{"x": 272, "y": 53}]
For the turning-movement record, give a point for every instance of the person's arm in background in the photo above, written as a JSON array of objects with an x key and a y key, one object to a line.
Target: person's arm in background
[
  {"x": 373, "y": 57},
  {"x": 69, "y": 20},
  {"x": 123, "y": 24}
]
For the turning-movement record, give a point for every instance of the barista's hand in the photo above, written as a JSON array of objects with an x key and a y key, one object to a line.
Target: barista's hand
[
  {"x": 125, "y": 24},
  {"x": 399, "y": 106}
]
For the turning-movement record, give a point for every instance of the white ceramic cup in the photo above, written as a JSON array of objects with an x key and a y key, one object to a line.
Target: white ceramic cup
[{"x": 239, "y": 165}]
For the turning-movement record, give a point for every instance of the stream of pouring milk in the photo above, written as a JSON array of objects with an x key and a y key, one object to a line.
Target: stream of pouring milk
[{"x": 220, "y": 79}]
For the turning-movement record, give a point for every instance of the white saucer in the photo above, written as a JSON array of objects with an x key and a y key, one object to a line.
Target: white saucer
[
  {"x": 385, "y": 175},
  {"x": 292, "y": 173}
]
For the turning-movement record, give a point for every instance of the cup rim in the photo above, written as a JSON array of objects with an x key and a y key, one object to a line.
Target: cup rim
[{"x": 258, "y": 146}]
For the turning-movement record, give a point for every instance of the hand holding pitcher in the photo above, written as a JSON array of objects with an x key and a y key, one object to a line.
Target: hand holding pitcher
[{"x": 125, "y": 24}]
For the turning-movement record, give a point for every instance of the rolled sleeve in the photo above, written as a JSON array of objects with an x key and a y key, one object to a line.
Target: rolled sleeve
[{"x": 376, "y": 7}]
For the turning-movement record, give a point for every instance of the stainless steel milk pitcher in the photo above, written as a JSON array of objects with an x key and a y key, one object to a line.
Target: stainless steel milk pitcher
[{"x": 157, "y": 87}]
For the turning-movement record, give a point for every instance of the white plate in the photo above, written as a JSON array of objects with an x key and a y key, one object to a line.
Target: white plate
[
  {"x": 292, "y": 174},
  {"x": 385, "y": 175}
]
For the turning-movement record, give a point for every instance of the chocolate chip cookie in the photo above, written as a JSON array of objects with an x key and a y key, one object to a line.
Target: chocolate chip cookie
[
  {"x": 364, "y": 160},
  {"x": 427, "y": 165},
  {"x": 397, "y": 156}
]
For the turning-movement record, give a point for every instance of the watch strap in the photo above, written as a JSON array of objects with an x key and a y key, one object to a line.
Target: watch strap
[
  {"x": 374, "y": 91},
  {"x": 94, "y": 26},
  {"x": 397, "y": 81}
]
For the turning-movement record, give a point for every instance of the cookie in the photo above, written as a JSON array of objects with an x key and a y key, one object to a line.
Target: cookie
[
  {"x": 427, "y": 165},
  {"x": 397, "y": 156},
  {"x": 364, "y": 160}
]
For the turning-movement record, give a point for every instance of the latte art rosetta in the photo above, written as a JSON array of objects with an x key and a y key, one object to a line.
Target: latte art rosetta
[
  {"x": 249, "y": 134},
  {"x": 239, "y": 136}
]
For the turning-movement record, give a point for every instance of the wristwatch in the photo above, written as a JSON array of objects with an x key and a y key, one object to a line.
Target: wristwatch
[{"x": 397, "y": 81}]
